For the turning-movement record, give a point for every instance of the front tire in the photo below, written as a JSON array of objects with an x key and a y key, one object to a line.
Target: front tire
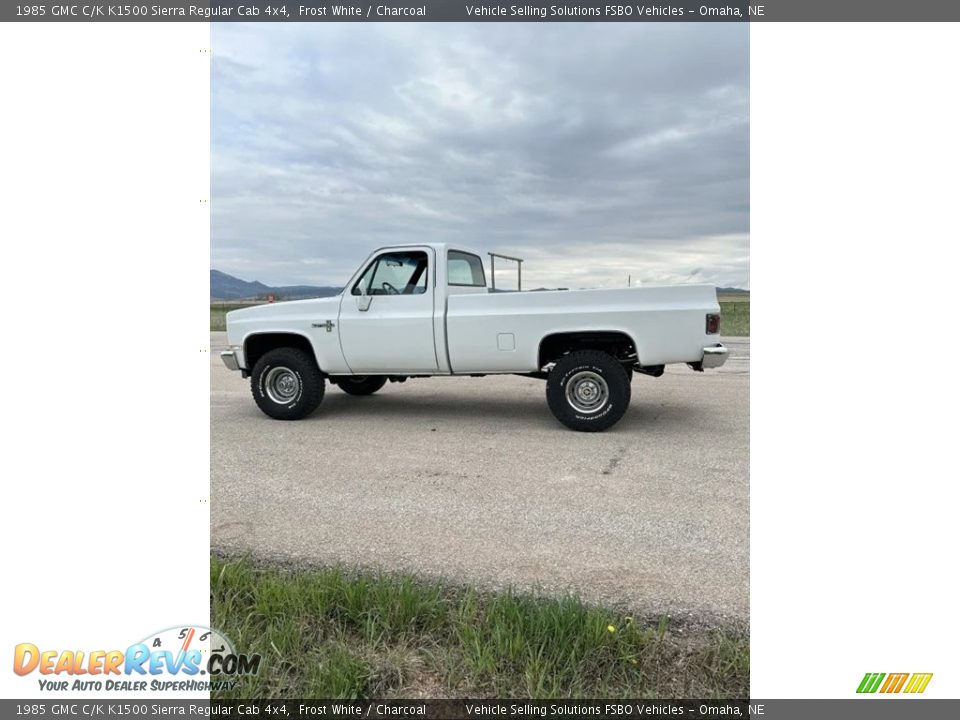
[
  {"x": 287, "y": 384},
  {"x": 588, "y": 390},
  {"x": 361, "y": 384}
]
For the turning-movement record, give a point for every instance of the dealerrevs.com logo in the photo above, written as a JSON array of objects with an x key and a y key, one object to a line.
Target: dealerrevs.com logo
[
  {"x": 909, "y": 683},
  {"x": 181, "y": 658}
]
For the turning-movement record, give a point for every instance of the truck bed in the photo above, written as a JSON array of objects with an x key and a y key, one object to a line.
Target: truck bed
[{"x": 500, "y": 332}]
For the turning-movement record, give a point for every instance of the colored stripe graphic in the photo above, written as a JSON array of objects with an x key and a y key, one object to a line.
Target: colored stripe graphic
[
  {"x": 918, "y": 683},
  {"x": 870, "y": 682},
  {"x": 894, "y": 682}
]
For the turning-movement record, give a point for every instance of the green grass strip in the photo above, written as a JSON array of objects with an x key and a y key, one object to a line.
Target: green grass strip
[{"x": 335, "y": 633}]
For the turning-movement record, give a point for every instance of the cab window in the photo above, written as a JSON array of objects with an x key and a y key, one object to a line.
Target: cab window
[
  {"x": 465, "y": 269},
  {"x": 395, "y": 273}
]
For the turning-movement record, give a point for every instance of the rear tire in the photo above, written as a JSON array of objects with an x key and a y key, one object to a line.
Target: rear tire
[
  {"x": 360, "y": 384},
  {"x": 287, "y": 384},
  {"x": 588, "y": 390}
]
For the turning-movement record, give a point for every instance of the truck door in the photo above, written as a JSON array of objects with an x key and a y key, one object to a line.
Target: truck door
[{"x": 386, "y": 317}]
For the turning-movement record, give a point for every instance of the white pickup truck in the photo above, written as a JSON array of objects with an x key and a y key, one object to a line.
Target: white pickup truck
[{"x": 423, "y": 310}]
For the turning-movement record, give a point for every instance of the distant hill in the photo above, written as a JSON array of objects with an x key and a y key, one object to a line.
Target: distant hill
[
  {"x": 733, "y": 291},
  {"x": 227, "y": 287}
]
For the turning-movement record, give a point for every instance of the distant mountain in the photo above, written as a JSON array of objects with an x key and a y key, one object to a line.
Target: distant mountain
[
  {"x": 732, "y": 291},
  {"x": 227, "y": 287}
]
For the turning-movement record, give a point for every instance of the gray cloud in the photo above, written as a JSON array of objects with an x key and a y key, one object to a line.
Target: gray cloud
[{"x": 592, "y": 150}]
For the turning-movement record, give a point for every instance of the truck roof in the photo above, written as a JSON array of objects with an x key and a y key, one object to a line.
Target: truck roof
[{"x": 438, "y": 247}]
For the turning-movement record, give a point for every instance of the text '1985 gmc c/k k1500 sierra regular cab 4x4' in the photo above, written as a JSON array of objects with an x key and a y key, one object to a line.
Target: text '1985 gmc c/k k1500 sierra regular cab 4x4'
[{"x": 422, "y": 310}]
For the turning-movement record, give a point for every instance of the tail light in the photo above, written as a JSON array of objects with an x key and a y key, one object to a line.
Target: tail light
[{"x": 713, "y": 323}]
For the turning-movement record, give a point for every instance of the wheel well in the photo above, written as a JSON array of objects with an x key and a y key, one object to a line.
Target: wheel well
[
  {"x": 618, "y": 344},
  {"x": 256, "y": 346}
]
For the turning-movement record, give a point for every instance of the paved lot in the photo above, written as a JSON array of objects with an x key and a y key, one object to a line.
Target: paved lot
[{"x": 473, "y": 478}]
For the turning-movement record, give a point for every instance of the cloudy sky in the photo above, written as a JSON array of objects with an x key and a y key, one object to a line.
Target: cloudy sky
[{"x": 593, "y": 151}]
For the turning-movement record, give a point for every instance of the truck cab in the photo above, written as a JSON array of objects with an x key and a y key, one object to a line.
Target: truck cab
[{"x": 388, "y": 312}]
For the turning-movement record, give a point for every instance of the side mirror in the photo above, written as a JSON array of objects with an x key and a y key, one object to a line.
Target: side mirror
[{"x": 363, "y": 300}]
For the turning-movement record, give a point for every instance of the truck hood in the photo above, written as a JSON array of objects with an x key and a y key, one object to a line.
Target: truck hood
[
  {"x": 292, "y": 308},
  {"x": 296, "y": 313}
]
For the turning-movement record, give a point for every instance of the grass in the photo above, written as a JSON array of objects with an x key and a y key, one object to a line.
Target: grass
[
  {"x": 735, "y": 317},
  {"x": 335, "y": 633}
]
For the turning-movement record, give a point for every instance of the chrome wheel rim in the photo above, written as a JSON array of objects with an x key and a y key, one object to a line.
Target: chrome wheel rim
[
  {"x": 587, "y": 392},
  {"x": 281, "y": 385}
]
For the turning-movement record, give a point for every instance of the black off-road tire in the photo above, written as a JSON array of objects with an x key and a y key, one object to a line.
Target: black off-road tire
[
  {"x": 588, "y": 390},
  {"x": 287, "y": 384},
  {"x": 360, "y": 384}
]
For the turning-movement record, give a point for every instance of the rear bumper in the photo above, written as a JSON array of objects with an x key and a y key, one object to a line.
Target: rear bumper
[{"x": 714, "y": 356}]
